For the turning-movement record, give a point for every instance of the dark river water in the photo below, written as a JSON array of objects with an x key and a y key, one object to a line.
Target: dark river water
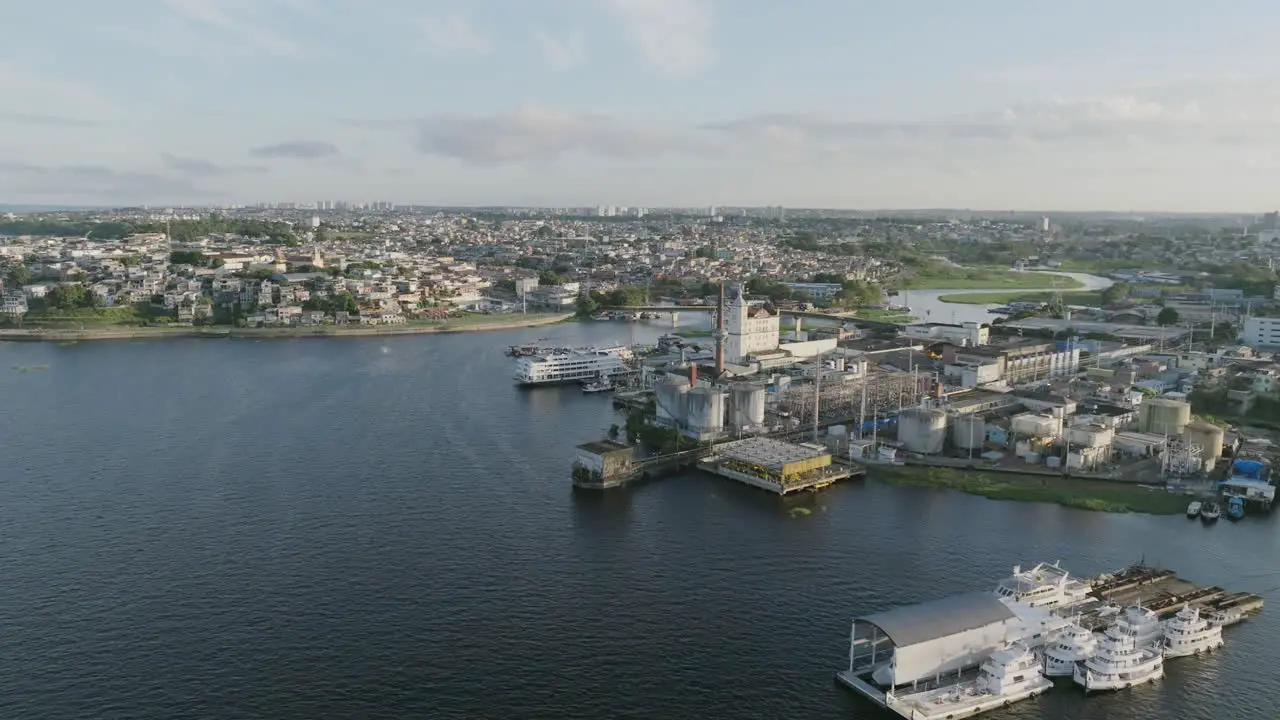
[{"x": 384, "y": 528}]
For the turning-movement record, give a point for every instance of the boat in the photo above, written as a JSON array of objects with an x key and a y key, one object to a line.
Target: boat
[
  {"x": 1122, "y": 658},
  {"x": 1007, "y": 676},
  {"x": 572, "y": 365},
  {"x": 1235, "y": 508},
  {"x": 1210, "y": 512},
  {"x": 1141, "y": 623},
  {"x": 1189, "y": 634},
  {"x": 597, "y": 386},
  {"x": 1001, "y": 310},
  {"x": 1043, "y": 586},
  {"x": 1073, "y": 645},
  {"x": 1193, "y": 509}
]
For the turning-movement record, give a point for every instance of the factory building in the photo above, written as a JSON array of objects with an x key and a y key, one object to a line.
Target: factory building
[
  {"x": 1020, "y": 363},
  {"x": 968, "y": 334},
  {"x": 752, "y": 328}
]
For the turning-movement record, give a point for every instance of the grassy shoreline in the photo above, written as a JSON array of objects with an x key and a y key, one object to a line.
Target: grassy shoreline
[
  {"x": 989, "y": 279},
  {"x": 1079, "y": 493},
  {"x": 1092, "y": 298},
  {"x": 124, "y": 332}
]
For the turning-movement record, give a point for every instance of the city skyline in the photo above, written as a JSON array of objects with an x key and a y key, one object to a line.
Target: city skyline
[{"x": 643, "y": 103}]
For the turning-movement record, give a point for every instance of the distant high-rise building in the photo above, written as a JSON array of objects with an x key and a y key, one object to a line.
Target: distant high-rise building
[
  {"x": 640, "y": 212},
  {"x": 1044, "y": 224},
  {"x": 601, "y": 211},
  {"x": 315, "y": 221},
  {"x": 1271, "y": 221}
]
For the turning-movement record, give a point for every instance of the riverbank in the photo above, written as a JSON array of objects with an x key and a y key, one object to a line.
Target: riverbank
[
  {"x": 121, "y": 332},
  {"x": 1083, "y": 494},
  {"x": 1090, "y": 298},
  {"x": 965, "y": 278}
]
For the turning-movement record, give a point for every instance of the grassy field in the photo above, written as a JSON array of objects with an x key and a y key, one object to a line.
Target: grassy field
[
  {"x": 1089, "y": 297},
  {"x": 985, "y": 279},
  {"x": 123, "y": 315},
  {"x": 1084, "y": 494},
  {"x": 889, "y": 316}
]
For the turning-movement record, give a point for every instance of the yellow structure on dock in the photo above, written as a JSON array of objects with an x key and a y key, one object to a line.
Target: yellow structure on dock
[{"x": 774, "y": 465}]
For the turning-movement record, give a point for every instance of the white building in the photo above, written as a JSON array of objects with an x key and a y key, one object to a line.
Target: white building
[
  {"x": 751, "y": 329},
  {"x": 1257, "y": 332},
  {"x": 969, "y": 334}
]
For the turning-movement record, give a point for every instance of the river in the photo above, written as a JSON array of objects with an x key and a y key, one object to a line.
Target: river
[
  {"x": 926, "y": 305},
  {"x": 384, "y": 528}
]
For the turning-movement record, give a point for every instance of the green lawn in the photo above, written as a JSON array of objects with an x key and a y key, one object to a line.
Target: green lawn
[
  {"x": 1085, "y": 494},
  {"x": 1090, "y": 297},
  {"x": 888, "y": 316},
  {"x": 123, "y": 315},
  {"x": 985, "y": 279}
]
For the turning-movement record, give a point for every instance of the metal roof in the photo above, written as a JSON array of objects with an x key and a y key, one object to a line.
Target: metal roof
[{"x": 914, "y": 624}]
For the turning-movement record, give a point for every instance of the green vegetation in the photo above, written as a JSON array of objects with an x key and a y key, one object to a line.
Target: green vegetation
[
  {"x": 888, "y": 316},
  {"x": 1212, "y": 405},
  {"x": 181, "y": 231},
  {"x": 1089, "y": 297},
  {"x": 120, "y": 315},
  {"x": 1167, "y": 316},
  {"x": 1084, "y": 494},
  {"x": 936, "y": 276}
]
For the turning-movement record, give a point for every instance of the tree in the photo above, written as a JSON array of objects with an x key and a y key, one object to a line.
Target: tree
[
  {"x": 1167, "y": 316},
  {"x": 18, "y": 276},
  {"x": 587, "y": 305},
  {"x": 188, "y": 257},
  {"x": 1115, "y": 294},
  {"x": 66, "y": 297}
]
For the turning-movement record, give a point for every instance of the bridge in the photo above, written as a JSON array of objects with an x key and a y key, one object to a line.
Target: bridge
[{"x": 822, "y": 317}]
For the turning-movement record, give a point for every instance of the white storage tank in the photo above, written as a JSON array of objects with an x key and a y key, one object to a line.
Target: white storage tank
[
  {"x": 969, "y": 432},
  {"x": 706, "y": 410},
  {"x": 1162, "y": 416},
  {"x": 746, "y": 406},
  {"x": 922, "y": 431},
  {"x": 670, "y": 399},
  {"x": 1209, "y": 437},
  {"x": 1091, "y": 436},
  {"x": 1033, "y": 425},
  {"x": 1053, "y": 462}
]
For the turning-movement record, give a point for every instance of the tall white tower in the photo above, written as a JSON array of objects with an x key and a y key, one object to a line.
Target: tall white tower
[{"x": 748, "y": 329}]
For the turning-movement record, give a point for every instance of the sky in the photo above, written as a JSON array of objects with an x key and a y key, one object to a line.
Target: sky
[{"x": 1143, "y": 105}]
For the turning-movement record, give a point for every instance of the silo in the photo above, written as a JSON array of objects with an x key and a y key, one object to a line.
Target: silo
[
  {"x": 706, "y": 410},
  {"x": 969, "y": 432},
  {"x": 746, "y": 406},
  {"x": 1163, "y": 416},
  {"x": 671, "y": 397},
  {"x": 1209, "y": 437},
  {"x": 922, "y": 431}
]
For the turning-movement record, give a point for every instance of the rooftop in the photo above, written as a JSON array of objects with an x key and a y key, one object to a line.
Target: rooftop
[
  {"x": 915, "y": 624},
  {"x": 767, "y": 453}
]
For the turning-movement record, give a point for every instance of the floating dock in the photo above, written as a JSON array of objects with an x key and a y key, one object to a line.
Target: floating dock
[
  {"x": 777, "y": 466},
  {"x": 922, "y": 661}
]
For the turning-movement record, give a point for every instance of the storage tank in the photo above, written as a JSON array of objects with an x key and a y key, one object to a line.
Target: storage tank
[
  {"x": 922, "y": 431},
  {"x": 1162, "y": 416},
  {"x": 1209, "y": 437},
  {"x": 1033, "y": 425},
  {"x": 670, "y": 396},
  {"x": 969, "y": 432},
  {"x": 1091, "y": 435},
  {"x": 746, "y": 406},
  {"x": 705, "y": 410},
  {"x": 1053, "y": 462}
]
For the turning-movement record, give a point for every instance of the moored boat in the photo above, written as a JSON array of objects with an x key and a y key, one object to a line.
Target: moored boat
[
  {"x": 1193, "y": 509},
  {"x": 1122, "y": 659},
  {"x": 1210, "y": 512},
  {"x": 1187, "y": 633},
  {"x": 1073, "y": 646}
]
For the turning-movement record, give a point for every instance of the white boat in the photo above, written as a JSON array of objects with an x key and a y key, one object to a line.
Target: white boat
[
  {"x": 1073, "y": 645},
  {"x": 1043, "y": 586},
  {"x": 1210, "y": 512},
  {"x": 1189, "y": 634},
  {"x": 572, "y": 365},
  {"x": 1193, "y": 509},
  {"x": 598, "y": 386},
  {"x": 1006, "y": 677},
  {"x": 1125, "y": 656}
]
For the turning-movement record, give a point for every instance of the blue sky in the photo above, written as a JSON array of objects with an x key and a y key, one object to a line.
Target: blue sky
[{"x": 990, "y": 104}]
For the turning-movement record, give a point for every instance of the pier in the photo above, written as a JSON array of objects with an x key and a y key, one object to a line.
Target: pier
[{"x": 1164, "y": 593}]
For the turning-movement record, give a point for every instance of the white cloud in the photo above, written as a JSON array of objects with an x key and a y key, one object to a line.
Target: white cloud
[
  {"x": 561, "y": 54},
  {"x": 241, "y": 21},
  {"x": 536, "y": 133},
  {"x": 673, "y": 35},
  {"x": 454, "y": 35}
]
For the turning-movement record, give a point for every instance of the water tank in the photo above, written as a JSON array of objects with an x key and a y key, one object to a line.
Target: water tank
[
  {"x": 670, "y": 396},
  {"x": 1209, "y": 437},
  {"x": 922, "y": 431},
  {"x": 746, "y": 406},
  {"x": 968, "y": 432},
  {"x": 1033, "y": 425},
  {"x": 1053, "y": 462},
  {"x": 706, "y": 410},
  {"x": 1162, "y": 416}
]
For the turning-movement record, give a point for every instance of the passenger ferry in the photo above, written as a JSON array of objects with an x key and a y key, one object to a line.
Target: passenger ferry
[
  {"x": 1043, "y": 586},
  {"x": 1073, "y": 646},
  {"x": 1130, "y": 653},
  {"x": 1008, "y": 676},
  {"x": 1189, "y": 634},
  {"x": 572, "y": 365}
]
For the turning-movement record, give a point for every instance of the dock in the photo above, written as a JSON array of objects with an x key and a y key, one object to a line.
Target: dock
[
  {"x": 1164, "y": 593},
  {"x": 777, "y": 466},
  {"x": 922, "y": 661}
]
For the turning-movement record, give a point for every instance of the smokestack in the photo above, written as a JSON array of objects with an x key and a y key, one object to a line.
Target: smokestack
[
  {"x": 720, "y": 334},
  {"x": 693, "y": 374}
]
